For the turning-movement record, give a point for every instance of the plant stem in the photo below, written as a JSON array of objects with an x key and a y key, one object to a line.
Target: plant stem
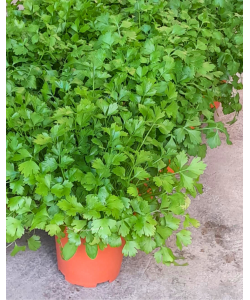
[
  {"x": 118, "y": 30},
  {"x": 159, "y": 211},
  {"x": 10, "y": 244},
  {"x": 139, "y": 150},
  {"x": 93, "y": 78},
  {"x": 146, "y": 137}
]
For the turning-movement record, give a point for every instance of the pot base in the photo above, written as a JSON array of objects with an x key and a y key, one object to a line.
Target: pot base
[{"x": 82, "y": 281}]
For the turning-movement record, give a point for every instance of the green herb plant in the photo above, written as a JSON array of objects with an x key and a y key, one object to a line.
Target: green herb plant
[{"x": 107, "y": 102}]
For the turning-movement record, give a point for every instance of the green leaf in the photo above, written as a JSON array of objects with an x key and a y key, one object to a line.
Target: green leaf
[
  {"x": 34, "y": 243},
  {"x": 20, "y": 204},
  {"x": 187, "y": 181},
  {"x": 147, "y": 245},
  {"x": 28, "y": 168},
  {"x": 164, "y": 232},
  {"x": 119, "y": 171},
  {"x": 187, "y": 203},
  {"x": 194, "y": 135},
  {"x": 112, "y": 109},
  {"x": 78, "y": 224},
  {"x": 178, "y": 30},
  {"x": 181, "y": 159},
  {"x": 98, "y": 164},
  {"x": 164, "y": 255},
  {"x": 141, "y": 71},
  {"x": 190, "y": 222},
  {"x": 52, "y": 229},
  {"x": 220, "y": 3},
  {"x": 30, "y": 82},
  {"x": 183, "y": 238},
  {"x": 14, "y": 227},
  {"x": 148, "y": 47},
  {"x": 171, "y": 93},
  {"x": 17, "y": 249},
  {"x": 196, "y": 166},
  {"x": 20, "y": 50},
  {"x": 130, "y": 248},
  {"x": 201, "y": 45},
  {"x": 145, "y": 225},
  {"x": 178, "y": 201},
  {"x": 58, "y": 219},
  {"x": 126, "y": 24},
  {"x": 146, "y": 88},
  {"x": 114, "y": 202},
  {"x": 89, "y": 181},
  {"x": 70, "y": 206},
  {"x": 125, "y": 201},
  {"x": 202, "y": 151},
  {"x": 74, "y": 237},
  {"x": 194, "y": 170},
  {"x": 35, "y": 38},
  {"x": 172, "y": 222},
  {"x": 181, "y": 54},
  {"x": 172, "y": 110},
  {"x": 142, "y": 157},
  {"x": 140, "y": 173},
  {"x": 84, "y": 28},
  {"x": 102, "y": 170},
  {"x": 43, "y": 185},
  {"x": 206, "y": 68},
  {"x": 124, "y": 229},
  {"x": 69, "y": 250},
  {"x": 108, "y": 38},
  {"x": 213, "y": 139},
  {"x": 114, "y": 240},
  {"x": 238, "y": 39},
  {"x": 166, "y": 127},
  {"x": 165, "y": 181},
  {"x": 43, "y": 139},
  {"x": 40, "y": 219},
  {"x": 65, "y": 161},
  {"x": 97, "y": 142},
  {"x": 49, "y": 165},
  {"x": 118, "y": 158},
  {"x": 102, "y": 195},
  {"x": 10, "y": 171},
  {"x": 23, "y": 153},
  {"x": 17, "y": 187},
  {"x": 132, "y": 190},
  {"x": 91, "y": 250},
  {"x": 103, "y": 227},
  {"x": 58, "y": 190}
]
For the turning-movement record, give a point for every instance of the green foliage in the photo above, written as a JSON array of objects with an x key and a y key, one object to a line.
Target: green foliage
[
  {"x": 17, "y": 249},
  {"x": 107, "y": 102},
  {"x": 91, "y": 250},
  {"x": 69, "y": 251},
  {"x": 34, "y": 243}
]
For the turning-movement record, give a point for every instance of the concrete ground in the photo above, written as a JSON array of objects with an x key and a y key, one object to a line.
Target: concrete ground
[{"x": 215, "y": 256}]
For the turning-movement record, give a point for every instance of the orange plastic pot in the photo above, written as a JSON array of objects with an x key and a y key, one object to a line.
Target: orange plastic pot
[
  {"x": 169, "y": 170},
  {"x": 84, "y": 271},
  {"x": 216, "y": 104}
]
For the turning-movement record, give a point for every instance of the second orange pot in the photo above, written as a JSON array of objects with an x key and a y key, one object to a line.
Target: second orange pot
[
  {"x": 216, "y": 104},
  {"x": 84, "y": 271}
]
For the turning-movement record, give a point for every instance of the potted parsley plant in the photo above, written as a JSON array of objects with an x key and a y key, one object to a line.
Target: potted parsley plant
[{"x": 107, "y": 102}]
